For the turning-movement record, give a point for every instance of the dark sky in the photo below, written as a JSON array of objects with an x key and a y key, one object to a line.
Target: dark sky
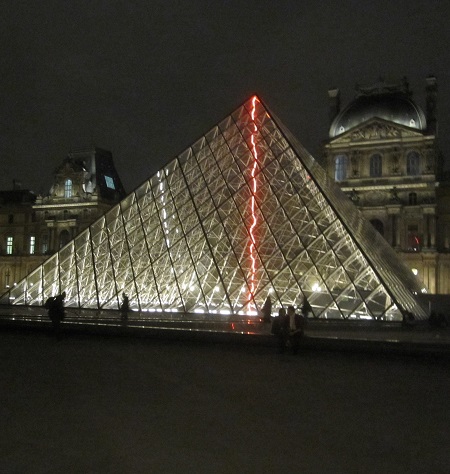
[{"x": 146, "y": 78}]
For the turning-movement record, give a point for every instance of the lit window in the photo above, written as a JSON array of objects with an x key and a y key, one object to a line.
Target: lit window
[
  {"x": 415, "y": 271},
  {"x": 414, "y": 238},
  {"x": 412, "y": 163},
  {"x": 32, "y": 244},
  {"x": 9, "y": 245},
  {"x": 340, "y": 171},
  {"x": 109, "y": 182},
  {"x": 68, "y": 188},
  {"x": 375, "y": 166}
]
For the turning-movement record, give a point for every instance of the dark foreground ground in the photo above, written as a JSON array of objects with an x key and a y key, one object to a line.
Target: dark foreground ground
[{"x": 90, "y": 404}]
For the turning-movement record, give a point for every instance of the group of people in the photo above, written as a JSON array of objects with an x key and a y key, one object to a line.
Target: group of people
[
  {"x": 289, "y": 327},
  {"x": 56, "y": 313}
]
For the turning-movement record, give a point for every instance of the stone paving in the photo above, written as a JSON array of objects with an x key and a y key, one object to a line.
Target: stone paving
[
  {"x": 95, "y": 404},
  {"x": 320, "y": 334}
]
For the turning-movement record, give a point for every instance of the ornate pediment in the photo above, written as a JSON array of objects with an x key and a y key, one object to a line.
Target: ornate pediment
[{"x": 376, "y": 130}]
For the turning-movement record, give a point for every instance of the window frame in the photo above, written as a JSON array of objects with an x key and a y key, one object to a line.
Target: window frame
[
  {"x": 340, "y": 167},
  {"x": 9, "y": 245},
  {"x": 376, "y": 166},
  {"x": 68, "y": 188}
]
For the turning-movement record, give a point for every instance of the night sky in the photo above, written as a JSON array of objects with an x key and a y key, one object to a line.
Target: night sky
[{"x": 145, "y": 79}]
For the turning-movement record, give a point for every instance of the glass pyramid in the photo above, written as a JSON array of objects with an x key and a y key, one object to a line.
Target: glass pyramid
[{"x": 243, "y": 214}]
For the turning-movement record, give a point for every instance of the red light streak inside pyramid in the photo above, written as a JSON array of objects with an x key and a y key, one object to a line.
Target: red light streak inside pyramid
[{"x": 252, "y": 202}]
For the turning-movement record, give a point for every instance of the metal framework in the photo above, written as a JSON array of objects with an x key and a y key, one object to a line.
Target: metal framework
[{"x": 243, "y": 214}]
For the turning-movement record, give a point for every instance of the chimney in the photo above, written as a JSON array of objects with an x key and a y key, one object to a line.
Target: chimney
[
  {"x": 431, "y": 103},
  {"x": 334, "y": 96}
]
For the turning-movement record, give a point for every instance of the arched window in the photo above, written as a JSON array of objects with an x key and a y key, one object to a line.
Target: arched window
[
  {"x": 413, "y": 163},
  {"x": 340, "y": 170},
  {"x": 376, "y": 166},
  {"x": 379, "y": 226},
  {"x": 68, "y": 188}
]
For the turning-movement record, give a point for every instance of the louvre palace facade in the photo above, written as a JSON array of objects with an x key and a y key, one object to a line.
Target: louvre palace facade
[
  {"x": 32, "y": 227},
  {"x": 382, "y": 152}
]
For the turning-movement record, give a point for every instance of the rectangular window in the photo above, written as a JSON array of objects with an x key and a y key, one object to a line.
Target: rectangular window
[
  {"x": 340, "y": 170},
  {"x": 414, "y": 238},
  {"x": 32, "y": 245},
  {"x": 44, "y": 241},
  {"x": 68, "y": 188},
  {"x": 376, "y": 169},
  {"x": 9, "y": 245}
]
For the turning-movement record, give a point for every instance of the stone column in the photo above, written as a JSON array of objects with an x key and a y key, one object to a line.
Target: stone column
[
  {"x": 430, "y": 227},
  {"x": 394, "y": 231},
  {"x": 426, "y": 231},
  {"x": 432, "y": 230},
  {"x": 394, "y": 213}
]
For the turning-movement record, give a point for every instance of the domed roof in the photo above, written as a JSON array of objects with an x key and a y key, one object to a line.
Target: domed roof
[{"x": 392, "y": 106}]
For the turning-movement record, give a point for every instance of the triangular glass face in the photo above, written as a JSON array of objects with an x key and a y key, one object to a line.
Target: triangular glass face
[{"x": 243, "y": 214}]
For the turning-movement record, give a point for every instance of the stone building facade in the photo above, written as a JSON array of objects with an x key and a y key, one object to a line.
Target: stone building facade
[
  {"x": 382, "y": 151},
  {"x": 32, "y": 227}
]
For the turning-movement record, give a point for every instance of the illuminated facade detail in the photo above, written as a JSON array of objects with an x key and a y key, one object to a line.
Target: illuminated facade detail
[
  {"x": 180, "y": 241},
  {"x": 395, "y": 172}
]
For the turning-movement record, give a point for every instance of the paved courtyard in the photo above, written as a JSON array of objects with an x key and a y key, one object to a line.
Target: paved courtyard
[{"x": 90, "y": 404}]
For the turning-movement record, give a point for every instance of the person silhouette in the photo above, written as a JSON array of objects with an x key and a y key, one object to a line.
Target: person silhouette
[
  {"x": 56, "y": 312},
  {"x": 292, "y": 330},
  {"x": 125, "y": 307}
]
